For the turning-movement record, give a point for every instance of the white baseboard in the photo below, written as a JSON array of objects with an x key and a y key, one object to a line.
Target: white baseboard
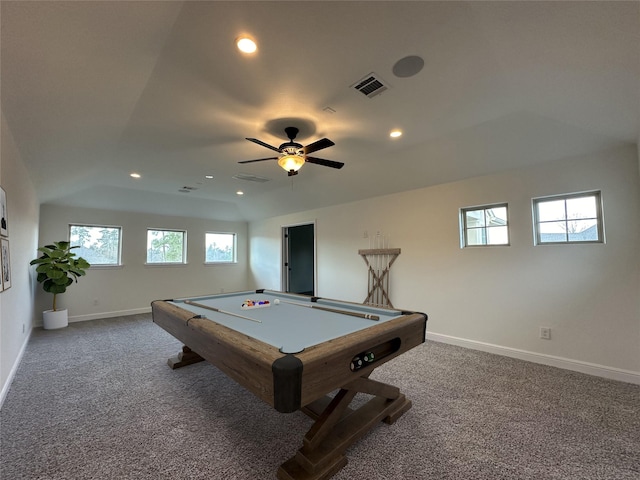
[
  {"x": 119, "y": 313},
  {"x": 14, "y": 369},
  {"x": 553, "y": 361}
]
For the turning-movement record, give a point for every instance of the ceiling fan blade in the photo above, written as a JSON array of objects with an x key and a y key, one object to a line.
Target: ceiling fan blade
[
  {"x": 318, "y": 145},
  {"x": 259, "y": 160},
  {"x": 325, "y": 163},
  {"x": 260, "y": 142}
]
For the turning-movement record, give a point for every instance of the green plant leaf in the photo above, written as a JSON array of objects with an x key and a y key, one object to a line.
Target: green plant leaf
[
  {"x": 55, "y": 274},
  {"x": 51, "y": 287}
]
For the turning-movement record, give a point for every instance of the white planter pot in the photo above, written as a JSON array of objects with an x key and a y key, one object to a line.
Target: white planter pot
[{"x": 53, "y": 319}]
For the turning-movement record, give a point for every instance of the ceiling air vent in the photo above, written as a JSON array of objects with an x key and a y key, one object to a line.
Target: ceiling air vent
[
  {"x": 371, "y": 85},
  {"x": 187, "y": 189},
  {"x": 250, "y": 178}
]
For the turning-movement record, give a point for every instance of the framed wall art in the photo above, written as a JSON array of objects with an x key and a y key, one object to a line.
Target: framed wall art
[
  {"x": 4, "y": 231},
  {"x": 5, "y": 269}
]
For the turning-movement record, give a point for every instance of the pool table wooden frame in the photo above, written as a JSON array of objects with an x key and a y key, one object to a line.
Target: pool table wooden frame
[{"x": 302, "y": 381}]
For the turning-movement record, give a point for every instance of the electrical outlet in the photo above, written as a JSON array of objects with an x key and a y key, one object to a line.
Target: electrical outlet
[{"x": 545, "y": 333}]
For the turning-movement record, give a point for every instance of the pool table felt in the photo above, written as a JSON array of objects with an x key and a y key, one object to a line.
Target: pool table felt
[{"x": 290, "y": 328}]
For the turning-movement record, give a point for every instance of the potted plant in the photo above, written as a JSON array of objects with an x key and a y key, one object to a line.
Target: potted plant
[{"x": 57, "y": 268}]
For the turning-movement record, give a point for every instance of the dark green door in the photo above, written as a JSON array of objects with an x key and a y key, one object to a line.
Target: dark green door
[{"x": 300, "y": 259}]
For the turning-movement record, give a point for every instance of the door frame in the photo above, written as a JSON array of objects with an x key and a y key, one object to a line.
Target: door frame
[{"x": 284, "y": 277}]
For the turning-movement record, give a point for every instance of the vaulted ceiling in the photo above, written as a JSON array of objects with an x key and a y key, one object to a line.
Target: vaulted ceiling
[{"x": 92, "y": 91}]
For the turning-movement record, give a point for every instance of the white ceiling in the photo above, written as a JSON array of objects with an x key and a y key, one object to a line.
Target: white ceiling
[{"x": 92, "y": 91}]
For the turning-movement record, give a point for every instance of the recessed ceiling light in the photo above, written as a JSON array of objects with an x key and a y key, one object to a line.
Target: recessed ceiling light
[
  {"x": 239, "y": 192},
  {"x": 246, "y": 44},
  {"x": 395, "y": 133},
  {"x": 208, "y": 177},
  {"x": 134, "y": 175}
]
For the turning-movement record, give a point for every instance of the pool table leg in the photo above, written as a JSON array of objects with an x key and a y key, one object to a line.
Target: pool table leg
[
  {"x": 338, "y": 427},
  {"x": 184, "y": 358}
]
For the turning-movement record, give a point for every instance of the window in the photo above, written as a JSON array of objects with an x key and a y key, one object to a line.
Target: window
[
  {"x": 486, "y": 225},
  {"x": 220, "y": 248},
  {"x": 572, "y": 218},
  {"x": 99, "y": 245},
  {"x": 166, "y": 246}
]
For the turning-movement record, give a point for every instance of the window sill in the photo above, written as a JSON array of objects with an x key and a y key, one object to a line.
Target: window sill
[{"x": 165, "y": 264}]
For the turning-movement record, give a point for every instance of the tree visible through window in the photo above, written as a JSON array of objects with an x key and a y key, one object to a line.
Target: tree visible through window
[
  {"x": 572, "y": 218},
  {"x": 99, "y": 245},
  {"x": 486, "y": 225},
  {"x": 220, "y": 248},
  {"x": 166, "y": 246}
]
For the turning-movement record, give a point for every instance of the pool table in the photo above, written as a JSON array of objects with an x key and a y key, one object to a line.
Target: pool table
[{"x": 298, "y": 352}]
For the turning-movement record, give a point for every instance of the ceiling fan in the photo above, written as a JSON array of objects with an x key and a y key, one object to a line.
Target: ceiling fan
[{"x": 293, "y": 155}]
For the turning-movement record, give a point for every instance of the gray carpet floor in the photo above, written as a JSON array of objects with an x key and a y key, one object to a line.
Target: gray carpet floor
[{"x": 97, "y": 400}]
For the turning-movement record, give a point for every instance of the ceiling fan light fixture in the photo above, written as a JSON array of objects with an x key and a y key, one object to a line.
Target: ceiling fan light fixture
[
  {"x": 293, "y": 155},
  {"x": 246, "y": 44},
  {"x": 291, "y": 162}
]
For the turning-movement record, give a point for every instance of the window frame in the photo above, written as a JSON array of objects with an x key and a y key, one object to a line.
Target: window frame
[
  {"x": 91, "y": 225},
  {"x": 464, "y": 236},
  {"x": 568, "y": 196},
  {"x": 184, "y": 247},
  {"x": 235, "y": 249}
]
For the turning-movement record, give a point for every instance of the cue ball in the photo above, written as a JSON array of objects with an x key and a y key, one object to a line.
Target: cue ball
[{"x": 276, "y": 302}]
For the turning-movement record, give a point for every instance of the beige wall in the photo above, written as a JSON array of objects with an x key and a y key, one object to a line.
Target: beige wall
[
  {"x": 494, "y": 298},
  {"x": 110, "y": 291},
  {"x": 16, "y": 303}
]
